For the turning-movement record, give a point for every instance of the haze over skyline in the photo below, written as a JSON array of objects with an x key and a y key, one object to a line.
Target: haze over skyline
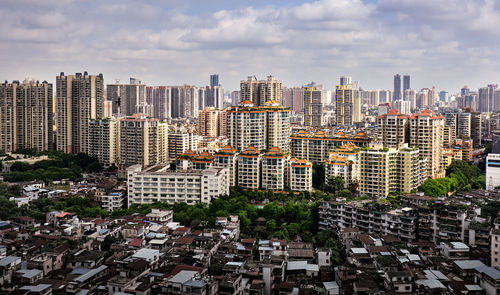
[{"x": 447, "y": 44}]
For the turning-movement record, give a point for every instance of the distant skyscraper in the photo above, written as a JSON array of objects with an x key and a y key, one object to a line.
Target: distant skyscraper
[
  {"x": 313, "y": 105},
  {"x": 487, "y": 98},
  {"x": 347, "y": 105},
  {"x": 406, "y": 85},
  {"x": 235, "y": 98},
  {"x": 214, "y": 97},
  {"x": 443, "y": 96},
  {"x": 126, "y": 97},
  {"x": 260, "y": 91},
  {"x": 293, "y": 98},
  {"x": 214, "y": 80},
  {"x": 344, "y": 80},
  {"x": 159, "y": 97},
  {"x": 397, "y": 87},
  {"x": 79, "y": 99},
  {"x": 464, "y": 91},
  {"x": 26, "y": 119}
]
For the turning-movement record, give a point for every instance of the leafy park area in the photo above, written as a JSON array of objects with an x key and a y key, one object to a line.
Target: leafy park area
[
  {"x": 460, "y": 176},
  {"x": 58, "y": 166}
]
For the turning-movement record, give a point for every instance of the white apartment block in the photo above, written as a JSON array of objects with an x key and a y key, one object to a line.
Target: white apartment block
[
  {"x": 226, "y": 158},
  {"x": 495, "y": 243},
  {"x": 300, "y": 175},
  {"x": 160, "y": 184},
  {"x": 274, "y": 169},
  {"x": 180, "y": 140},
  {"x": 492, "y": 171},
  {"x": 112, "y": 201},
  {"x": 249, "y": 168}
]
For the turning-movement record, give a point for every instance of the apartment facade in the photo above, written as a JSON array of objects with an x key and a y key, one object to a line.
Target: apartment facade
[
  {"x": 316, "y": 147},
  {"x": 313, "y": 105},
  {"x": 79, "y": 99},
  {"x": 388, "y": 170},
  {"x": 262, "y": 127},
  {"x": 393, "y": 129},
  {"x": 249, "y": 168},
  {"x": 344, "y": 162},
  {"x": 143, "y": 141},
  {"x": 160, "y": 184},
  {"x": 300, "y": 175},
  {"x": 209, "y": 122},
  {"x": 426, "y": 133},
  {"x": 261, "y": 91},
  {"x": 347, "y": 105},
  {"x": 104, "y": 140},
  {"x": 26, "y": 117},
  {"x": 275, "y": 169}
]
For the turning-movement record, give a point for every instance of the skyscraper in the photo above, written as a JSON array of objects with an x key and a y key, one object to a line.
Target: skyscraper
[
  {"x": 26, "y": 118},
  {"x": 393, "y": 129},
  {"x": 313, "y": 105},
  {"x": 397, "y": 87},
  {"x": 406, "y": 85},
  {"x": 487, "y": 98},
  {"x": 127, "y": 98},
  {"x": 260, "y": 91},
  {"x": 143, "y": 141},
  {"x": 426, "y": 133},
  {"x": 293, "y": 98},
  {"x": 347, "y": 105},
  {"x": 344, "y": 80},
  {"x": 214, "y": 80},
  {"x": 79, "y": 99}
]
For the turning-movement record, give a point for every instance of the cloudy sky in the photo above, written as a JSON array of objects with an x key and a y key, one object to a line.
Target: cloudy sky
[{"x": 442, "y": 43}]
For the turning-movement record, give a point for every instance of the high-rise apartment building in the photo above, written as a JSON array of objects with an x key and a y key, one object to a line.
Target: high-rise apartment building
[
  {"x": 406, "y": 86},
  {"x": 184, "y": 101},
  {"x": 313, "y": 105},
  {"x": 347, "y": 105},
  {"x": 79, "y": 99},
  {"x": 459, "y": 126},
  {"x": 397, "y": 87},
  {"x": 26, "y": 119},
  {"x": 235, "y": 97},
  {"x": 104, "y": 140},
  {"x": 127, "y": 98},
  {"x": 275, "y": 169},
  {"x": 385, "y": 96},
  {"x": 180, "y": 140},
  {"x": 159, "y": 98},
  {"x": 210, "y": 122},
  {"x": 214, "y": 80},
  {"x": 393, "y": 129},
  {"x": 261, "y": 91},
  {"x": 143, "y": 141},
  {"x": 426, "y": 133},
  {"x": 486, "y": 98},
  {"x": 300, "y": 175},
  {"x": 262, "y": 127},
  {"x": 389, "y": 170},
  {"x": 476, "y": 128},
  {"x": 345, "y": 80},
  {"x": 214, "y": 97},
  {"x": 249, "y": 168},
  {"x": 293, "y": 98}
]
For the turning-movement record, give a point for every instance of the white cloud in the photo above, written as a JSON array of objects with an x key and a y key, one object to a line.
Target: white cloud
[{"x": 446, "y": 43}]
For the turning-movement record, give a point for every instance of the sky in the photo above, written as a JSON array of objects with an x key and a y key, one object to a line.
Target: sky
[{"x": 442, "y": 43}]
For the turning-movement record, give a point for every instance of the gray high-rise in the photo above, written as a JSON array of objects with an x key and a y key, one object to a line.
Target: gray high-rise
[
  {"x": 214, "y": 80},
  {"x": 397, "y": 87},
  {"x": 126, "y": 97},
  {"x": 406, "y": 85}
]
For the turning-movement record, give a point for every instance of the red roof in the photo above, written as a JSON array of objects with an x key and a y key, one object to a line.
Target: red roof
[
  {"x": 136, "y": 242},
  {"x": 184, "y": 240}
]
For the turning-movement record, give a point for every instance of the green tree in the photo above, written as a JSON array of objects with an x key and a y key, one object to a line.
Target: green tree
[{"x": 335, "y": 184}]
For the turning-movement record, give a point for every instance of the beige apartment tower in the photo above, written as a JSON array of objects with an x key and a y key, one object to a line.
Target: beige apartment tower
[
  {"x": 347, "y": 105},
  {"x": 26, "y": 118},
  {"x": 313, "y": 105},
  {"x": 79, "y": 99},
  {"x": 261, "y": 91},
  {"x": 426, "y": 133},
  {"x": 143, "y": 141}
]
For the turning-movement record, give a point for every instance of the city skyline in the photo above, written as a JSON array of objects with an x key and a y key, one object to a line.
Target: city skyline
[{"x": 173, "y": 43}]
